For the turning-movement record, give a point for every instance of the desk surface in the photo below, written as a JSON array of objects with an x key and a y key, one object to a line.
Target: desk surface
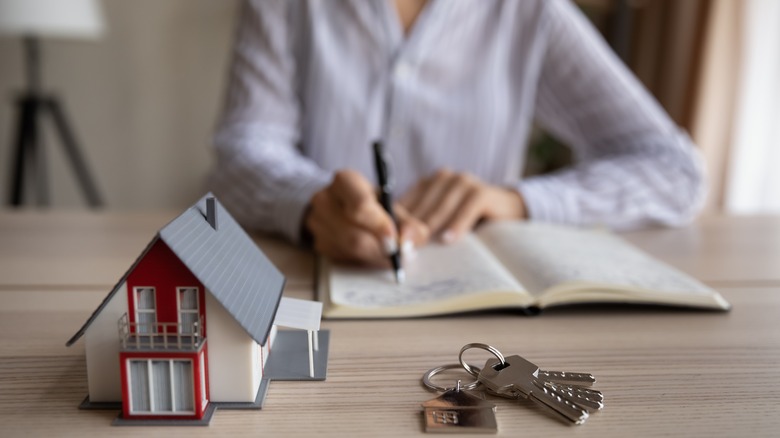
[{"x": 663, "y": 371}]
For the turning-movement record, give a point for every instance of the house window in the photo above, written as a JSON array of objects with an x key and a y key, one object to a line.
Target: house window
[
  {"x": 445, "y": 417},
  {"x": 145, "y": 310},
  {"x": 161, "y": 386},
  {"x": 188, "y": 309}
]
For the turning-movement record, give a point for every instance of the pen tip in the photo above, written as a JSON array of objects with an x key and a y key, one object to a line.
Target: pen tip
[{"x": 400, "y": 276}]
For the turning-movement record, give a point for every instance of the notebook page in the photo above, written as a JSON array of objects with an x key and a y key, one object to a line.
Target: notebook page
[
  {"x": 544, "y": 255},
  {"x": 438, "y": 272}
]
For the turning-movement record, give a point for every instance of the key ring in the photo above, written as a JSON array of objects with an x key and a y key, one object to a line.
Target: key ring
[
  {"x": 474, "y": 371},
  {"x": 433, "y": 371}
]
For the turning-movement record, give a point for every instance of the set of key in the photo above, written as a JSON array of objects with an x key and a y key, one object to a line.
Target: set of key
[{"x": 567, "y": 396}]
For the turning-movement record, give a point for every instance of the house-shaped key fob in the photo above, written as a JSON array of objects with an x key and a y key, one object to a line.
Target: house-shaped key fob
[{"x": 458, "y": 411}]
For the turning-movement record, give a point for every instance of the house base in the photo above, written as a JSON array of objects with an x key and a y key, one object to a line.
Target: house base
[
  {"x": 121, "y": 421},
  {"x": 289, "y": 362}
]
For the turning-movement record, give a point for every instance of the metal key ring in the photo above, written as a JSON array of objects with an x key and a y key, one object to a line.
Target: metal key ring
[
  {"x": 433, "y": 371},
  {"x": 474, "y": 371}
]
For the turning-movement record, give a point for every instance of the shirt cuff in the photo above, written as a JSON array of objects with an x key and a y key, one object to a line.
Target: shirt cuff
[
  {"x": 292, "y": 205},
  {"x": 546, "y": 200}
]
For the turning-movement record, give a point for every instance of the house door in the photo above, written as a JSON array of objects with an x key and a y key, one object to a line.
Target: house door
[{"x": 161, "y": 387}]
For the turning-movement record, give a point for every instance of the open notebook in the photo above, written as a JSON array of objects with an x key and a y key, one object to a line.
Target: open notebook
[{"x": 512, "y": 265}]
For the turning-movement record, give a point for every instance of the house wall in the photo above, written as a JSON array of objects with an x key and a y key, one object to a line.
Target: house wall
[
  {"x": 233, "y": 359},
  {"x": 272, "y": 336},
  {"x": 102, "y": 347},
  {"x": 161, "y": 268},
  {"x": 263, "y": 351}
]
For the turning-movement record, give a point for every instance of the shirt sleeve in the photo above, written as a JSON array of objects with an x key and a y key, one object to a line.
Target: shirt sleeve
[
  {"x": 260, "y": 174},
  {"x": 634, "y": 166}
]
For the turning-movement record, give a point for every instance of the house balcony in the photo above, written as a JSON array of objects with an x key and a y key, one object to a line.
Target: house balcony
[{"x": 160, "y": 336}]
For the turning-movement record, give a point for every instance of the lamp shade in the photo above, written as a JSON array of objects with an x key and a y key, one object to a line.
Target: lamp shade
[{"x": 57, "y": 18}]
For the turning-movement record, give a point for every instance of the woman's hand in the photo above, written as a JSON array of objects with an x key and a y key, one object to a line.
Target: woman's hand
[
  {"x": 348, "y": 223},
  {"x": 452, "y": 203}
]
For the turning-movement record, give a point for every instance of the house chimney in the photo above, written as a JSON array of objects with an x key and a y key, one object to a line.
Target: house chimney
[{"x": 211, "y": 212}]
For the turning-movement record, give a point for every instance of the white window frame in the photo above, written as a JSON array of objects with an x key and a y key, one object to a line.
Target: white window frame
[
  {"x": 150, "y": 389},
  {"x": 138, "y": 311},
  {"x": 203, "y": 398},
  {"x": 180, "y": 311}
]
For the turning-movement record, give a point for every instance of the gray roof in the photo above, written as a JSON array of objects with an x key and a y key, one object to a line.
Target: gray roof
[{"x": 226, "y": 261}]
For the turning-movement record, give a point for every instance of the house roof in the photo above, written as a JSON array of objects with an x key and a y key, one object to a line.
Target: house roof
[
  {"x": 299, "y": 314},
  {"x": 226, "y": 261}
]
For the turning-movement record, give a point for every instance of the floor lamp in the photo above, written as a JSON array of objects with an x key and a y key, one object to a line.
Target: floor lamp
[{"x": 33, "y": 19}]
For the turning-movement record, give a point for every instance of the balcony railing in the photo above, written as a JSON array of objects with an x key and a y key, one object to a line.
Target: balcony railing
[{"x": 160, "y": 335}]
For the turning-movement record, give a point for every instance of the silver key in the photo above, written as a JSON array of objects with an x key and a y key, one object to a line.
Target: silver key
[
  {"x": 567, "y": 378},
  {"x": 564, "y": 394},
  {"x": 590, "y": 399}
]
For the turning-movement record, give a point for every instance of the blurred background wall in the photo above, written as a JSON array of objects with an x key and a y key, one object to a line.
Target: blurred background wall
[{"x": 144, "y": 98}]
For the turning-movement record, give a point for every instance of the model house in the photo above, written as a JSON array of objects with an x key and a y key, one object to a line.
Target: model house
[{"x": 192, "y": 324}]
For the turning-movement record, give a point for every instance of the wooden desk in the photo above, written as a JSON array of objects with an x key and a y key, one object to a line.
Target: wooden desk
[{"x": 663, "y": 372}]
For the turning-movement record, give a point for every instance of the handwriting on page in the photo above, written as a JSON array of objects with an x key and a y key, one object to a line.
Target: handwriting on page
[
  {"x": 369, "y": 295},
  {"x": 438, "y": 272}
]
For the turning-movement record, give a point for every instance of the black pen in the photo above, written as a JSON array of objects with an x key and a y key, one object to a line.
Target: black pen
[{"x": 386, "y": 199}]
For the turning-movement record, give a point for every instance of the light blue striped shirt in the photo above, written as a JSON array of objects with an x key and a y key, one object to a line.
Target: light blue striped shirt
[{"x": 314, "y": 82}]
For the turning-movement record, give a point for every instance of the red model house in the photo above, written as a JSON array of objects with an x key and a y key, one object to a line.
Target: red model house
[
  {"x": 163, "y": 338},
  {"x": 190, "y": 325}
]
